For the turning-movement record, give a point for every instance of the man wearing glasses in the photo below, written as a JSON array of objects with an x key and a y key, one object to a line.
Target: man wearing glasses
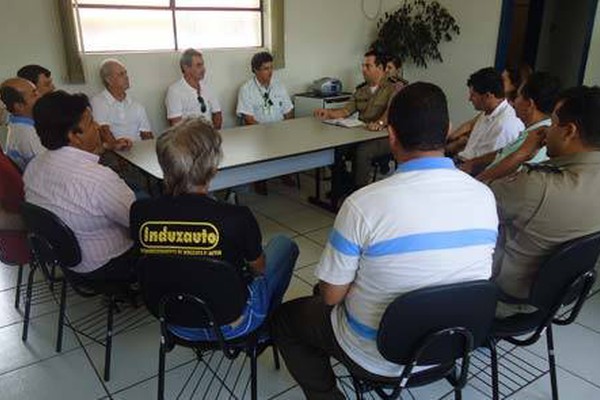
[
  {"x": 191, "y": 96},
  {"x": 263, "y": 99}
]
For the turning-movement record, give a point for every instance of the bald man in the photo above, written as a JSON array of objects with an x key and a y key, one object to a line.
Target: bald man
[
  {"x": 22, "y": 143},
  {"x": 119, "y": 116}
]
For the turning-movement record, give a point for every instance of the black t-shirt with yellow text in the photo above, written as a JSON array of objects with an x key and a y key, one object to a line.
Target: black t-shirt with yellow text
[{"x": 195, "y": 225}]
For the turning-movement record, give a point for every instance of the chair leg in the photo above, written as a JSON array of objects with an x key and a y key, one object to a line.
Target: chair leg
[
  {"x": 28, "y": 301},
  {"x": 457, "y": 394},
  {"x": 161, "y": 368},
  {"x": 494, "y": 357},
  {"x": 52, "y": 277},
  {"x": 61, "y": 316},
  {"x": 552, "y": 361},
  {"x": 253, "y": 374},
  {"x": 18, "y": 291},
  {"x": 109, "y": 334},
  {"x": 276, "y": 356}
]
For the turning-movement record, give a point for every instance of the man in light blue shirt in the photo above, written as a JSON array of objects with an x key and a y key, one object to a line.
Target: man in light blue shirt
[{"x": 263, "y": 99}]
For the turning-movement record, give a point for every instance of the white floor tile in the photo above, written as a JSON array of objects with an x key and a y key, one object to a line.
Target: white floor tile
[
  {"x": 306, "y": 220},
  {"x": 577, "y": 350},
  {"x": 135, "y": 356},
  {"x": 276, "y": 206},
  {"x": 297, "y": 288},
  {"x": 320, "y": 236},
  {"x": 60, "y": 378},
  {"x": 310, "y": 252},
  {"x": 270, "y": 228},
  {"x": 307, "y": 274},
  {"x": 40, "y": 345},
  {"x": 569, "y": 387},
  {"x": 590, "y": 313},
  {"x": 43, "y": 303}
]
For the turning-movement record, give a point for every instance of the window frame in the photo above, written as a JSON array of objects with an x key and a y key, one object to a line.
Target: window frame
[{"x": 173, "y": 9}]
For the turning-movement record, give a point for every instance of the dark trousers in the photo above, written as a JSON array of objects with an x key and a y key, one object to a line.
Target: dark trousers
[
  {"x": 303, "y": 334},
  {"x": 121, "y": 269}
]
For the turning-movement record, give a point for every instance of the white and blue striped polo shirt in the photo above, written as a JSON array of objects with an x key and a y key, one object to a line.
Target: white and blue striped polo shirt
[{"x": 428, "y": 224}]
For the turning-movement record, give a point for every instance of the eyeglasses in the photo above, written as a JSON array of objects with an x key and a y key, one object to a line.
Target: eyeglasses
[
  {"x": 202, "y": 103},
  {"x": 267, "y": 100}
]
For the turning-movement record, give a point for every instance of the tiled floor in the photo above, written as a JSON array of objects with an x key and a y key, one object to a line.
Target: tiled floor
[{"x": 33, "y": 370}]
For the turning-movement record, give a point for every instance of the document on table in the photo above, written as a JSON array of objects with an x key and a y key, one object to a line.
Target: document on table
[{"x": 350, "y": 122}]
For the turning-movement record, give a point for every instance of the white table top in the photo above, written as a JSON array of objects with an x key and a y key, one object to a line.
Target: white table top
[{"x": 258, "y": 143}]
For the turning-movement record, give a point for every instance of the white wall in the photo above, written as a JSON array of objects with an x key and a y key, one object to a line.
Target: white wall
[
  {"x": 323, "y": 38},
  {"x": 592, "y": 70}
]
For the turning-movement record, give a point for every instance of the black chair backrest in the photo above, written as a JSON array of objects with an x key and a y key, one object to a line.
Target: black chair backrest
[
  {"x": 49, "y": 237},
  {"x": 217, "y": 283},
  {"x": 562, "y": 268},
  {"x": 413, "y": 316}
]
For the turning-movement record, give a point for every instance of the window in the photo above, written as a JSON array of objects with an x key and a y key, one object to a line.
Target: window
[{"x": 138, "y": 25}]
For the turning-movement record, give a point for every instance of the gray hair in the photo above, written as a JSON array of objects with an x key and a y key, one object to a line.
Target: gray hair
[
  {"x": 189, "y": 154},
  {"x": 106, "y": 69},
  {"x": 187, "y": 56}
]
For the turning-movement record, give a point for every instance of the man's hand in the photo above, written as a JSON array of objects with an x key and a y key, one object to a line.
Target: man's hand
[
  {"x": 146, "y": 135},
  {"x": 536, "y": 139},
  {"x": 321, "y": 113},
  {"x": 376, "y": 126},
  {"x": 121, "y": 144}
]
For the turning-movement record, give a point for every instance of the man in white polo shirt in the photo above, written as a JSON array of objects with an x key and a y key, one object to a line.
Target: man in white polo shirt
[
  {"x": 22, "y": 143},
  {"x": 263, "y": 99},
  {"x": 496, "y": 126},
  {"x": 118, "y": 115},
  {"x": 191, "y": 96},
  {"x": 428, "y": 224}
]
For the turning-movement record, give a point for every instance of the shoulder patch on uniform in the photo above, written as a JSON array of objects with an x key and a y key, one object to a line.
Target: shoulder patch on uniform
[{"x": 547, "y": 168}]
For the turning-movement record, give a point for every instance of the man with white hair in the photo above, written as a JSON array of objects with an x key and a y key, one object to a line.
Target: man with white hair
[
  {"x": 118, "y": 115},
  {"x": 190, "y": 96}
]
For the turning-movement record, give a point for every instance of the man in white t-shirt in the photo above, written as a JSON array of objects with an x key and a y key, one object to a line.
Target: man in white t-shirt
[
  {"x": 118, "y": 115},
  {"x": 495, "y": 127},
  {"x": 22, "y": 143},
  {"x": 191, "y": 96},
  {"x": 263, "y": 99},
  {"x": 429, "y": 224}
]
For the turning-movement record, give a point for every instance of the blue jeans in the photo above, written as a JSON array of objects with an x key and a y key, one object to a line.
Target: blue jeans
[{"x": 264, "y": 293}]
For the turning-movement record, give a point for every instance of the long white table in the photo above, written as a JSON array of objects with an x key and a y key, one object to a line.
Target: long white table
[{"x": 258, "y": 152}]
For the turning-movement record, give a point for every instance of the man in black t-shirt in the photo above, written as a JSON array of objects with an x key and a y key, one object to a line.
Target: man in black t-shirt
[{"x": 187, "y": 222}]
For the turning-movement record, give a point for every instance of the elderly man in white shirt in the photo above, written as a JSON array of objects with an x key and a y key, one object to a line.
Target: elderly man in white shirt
[
  {"x": 191, "y": 96},
  {"x": 263, "y": 99},
  {"x": 497, "y": 125},
  {"x": 89, "y": 198},
  {"x": 22, "y": 143},
  {"x": 118, "y": 115}
]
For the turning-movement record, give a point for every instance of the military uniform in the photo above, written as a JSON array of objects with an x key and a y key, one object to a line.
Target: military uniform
[
  {"x": 541, "y": 207},
  {"x": 370, "y": 106}
]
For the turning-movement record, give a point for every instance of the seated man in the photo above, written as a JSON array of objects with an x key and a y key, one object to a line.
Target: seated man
[
  {"x": 118, "y": 114},
  {"x": 13, "y": 239},
  {"x": 89, "y": 198},
  {"x": 548, "y": 204},
  {"x": 263, "y": 99},
  {"x": 189, "y": 154},
  {"x": 495, "y": 127},
  {"x": 370, "y": 100},
  {"x": 429, "y": 224},
  {"x": 22, "y": 143},
  {"x": 393, "y": 70},
  {"x": 533, "y": 105},
  {"x": 191, "y": 96},
  {"x": 41, "y": 77}
]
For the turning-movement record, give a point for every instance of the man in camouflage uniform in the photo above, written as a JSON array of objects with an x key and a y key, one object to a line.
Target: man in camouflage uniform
[
  {"x": 370, "y": 100},
  {"x": 548, "y": 204}
]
